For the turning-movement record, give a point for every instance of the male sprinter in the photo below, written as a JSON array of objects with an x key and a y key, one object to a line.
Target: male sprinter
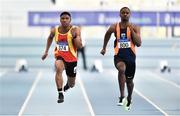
[
  {"x": 127, "y": 37},
  {"x": 67, "y": 38}
]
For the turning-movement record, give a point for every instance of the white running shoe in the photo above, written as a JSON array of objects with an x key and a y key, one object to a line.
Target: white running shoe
[{"x": 127, "y": 105}]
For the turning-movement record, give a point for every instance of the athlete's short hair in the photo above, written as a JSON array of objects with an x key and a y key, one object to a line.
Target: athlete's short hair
[
  {"x": 65, "y": 13},
  {"x": 125, "y": 8}
]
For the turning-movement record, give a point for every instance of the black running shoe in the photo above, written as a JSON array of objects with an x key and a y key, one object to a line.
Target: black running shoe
[
  {"x": 60, "y": 98},
  {"x": 66, "y": 87},
  {"x": 121, "y": 101}
]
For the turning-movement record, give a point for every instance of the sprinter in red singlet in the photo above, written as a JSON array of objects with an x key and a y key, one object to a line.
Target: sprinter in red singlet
[
  {"x": 127, "y": 37},
  {"x": 67, "y": 39}
]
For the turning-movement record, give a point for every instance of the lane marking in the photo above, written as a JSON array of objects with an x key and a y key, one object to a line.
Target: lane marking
[
  {"x": 152, "y": 103},
  {"x": 165, "y": 80},
  {"x": 85, "y": 95},
  {"x": 30, "y": 93}
]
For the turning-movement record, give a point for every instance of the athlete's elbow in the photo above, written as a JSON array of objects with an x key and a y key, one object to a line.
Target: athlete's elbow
[
  {"x": 138, "y": 44},
  {"x": 79, "y": 46}
]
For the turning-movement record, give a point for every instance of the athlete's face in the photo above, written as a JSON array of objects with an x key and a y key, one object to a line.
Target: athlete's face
[
  {"x": 65, "y": 20},
  {"x": 125, "y": 14}
]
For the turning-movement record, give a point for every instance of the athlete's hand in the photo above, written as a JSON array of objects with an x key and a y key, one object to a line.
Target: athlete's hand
[
  {"x": 103, "y": 51},
  {"x": 44, "y": 56}
]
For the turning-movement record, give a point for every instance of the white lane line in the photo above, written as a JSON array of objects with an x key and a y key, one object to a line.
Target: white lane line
[
  {"x": 148, "y": 100},
  {"x": 30, "y": 93},
  {"x": 165, "y": 80},
  {"x": 85, "y": 95}
]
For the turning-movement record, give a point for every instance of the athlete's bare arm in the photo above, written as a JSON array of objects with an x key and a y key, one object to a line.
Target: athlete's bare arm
[
  {"x": 76, "y": 33},
  {"x": 107, "y": 37},
  {"x": 49, "y": 42},
  {"x": 135, "y": 31}
]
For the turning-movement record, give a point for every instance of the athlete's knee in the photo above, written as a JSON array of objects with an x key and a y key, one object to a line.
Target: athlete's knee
[
  {"x": 129, "y": 81},
  {"x": 121, "y": 67},
  {"x": 72, "y": 84},
  {"x": 59, "y": 69},
  {"x": 121, "y": 70}
]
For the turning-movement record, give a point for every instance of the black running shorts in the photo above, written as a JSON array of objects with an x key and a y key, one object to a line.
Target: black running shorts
[
  {"x": 70, "y": 67},
  {"x": 130, "y": 67}
]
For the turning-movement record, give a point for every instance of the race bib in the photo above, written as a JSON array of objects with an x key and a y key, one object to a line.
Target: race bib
[
  {"x": 124, "y": 44},
  {"x": 62, "y": 46}
]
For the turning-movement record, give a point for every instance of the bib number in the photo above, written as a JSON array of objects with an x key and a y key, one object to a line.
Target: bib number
[
  {"x": 63, "y": 46},
  {"x": 124, "y": 44}
]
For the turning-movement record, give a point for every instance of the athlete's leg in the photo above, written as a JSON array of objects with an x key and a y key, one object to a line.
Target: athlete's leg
[
  {"x": 59, "y": 79},
  {"x": 71, "y": 81},
  {"x": 71, "y": 75},
  {"x": 130, "y": 72},
  {"x": 121, "y": 77},
  {"x": 130, "y": 87},
  {"x": 58, "y": 76}
]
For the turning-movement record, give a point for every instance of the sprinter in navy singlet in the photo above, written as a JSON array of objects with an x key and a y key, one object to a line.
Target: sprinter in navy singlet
[{"x": 127, "y": 37}]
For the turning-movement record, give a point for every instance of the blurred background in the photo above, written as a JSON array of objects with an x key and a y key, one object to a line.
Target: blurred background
[{"x": 25, "y": 26}]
